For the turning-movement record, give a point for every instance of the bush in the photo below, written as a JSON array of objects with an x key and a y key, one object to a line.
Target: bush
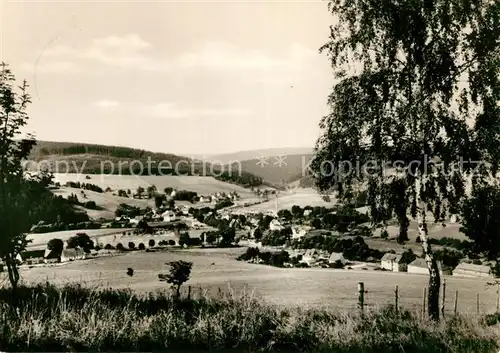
[
  {"x": 171, "y": 242},
  {"x": 120, "y": 247},
  {"x": 131, "y": 245},
  {"x": 109, "y": 247},
  {"x": 418, "y": 240},
  {"x": 142, "y": 246},
  {"x": 337, "y": 264},
  {"x": 151, "y": 243},
  {"x": 384, "y": 234}
]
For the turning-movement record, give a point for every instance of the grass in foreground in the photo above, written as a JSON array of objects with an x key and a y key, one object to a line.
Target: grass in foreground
[{"x": 74, "y": 318}]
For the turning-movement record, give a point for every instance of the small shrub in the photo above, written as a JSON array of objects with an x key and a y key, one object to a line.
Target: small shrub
[
  {"x": 142, "y": 246},
  {"x": 109, "y": 247},
  {"x": 151, "y": 243},
  {"x": 384, "y": 234},
  {"x": 171, "y": 242},
  {"x": 477, "y": 262},
  {"x": 131, "y": 245},
  {"x": 120, "y": 247},
  {"x": 418, "y": 240}
]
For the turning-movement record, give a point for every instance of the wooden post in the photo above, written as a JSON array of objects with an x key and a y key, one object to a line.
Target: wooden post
[
  {"x": 498, "y": 296},
  {"x": 424, "y": 297},
  {"x": 208, "y": 334},
  {"x": 361, "y": 296},
  {"x": 189, "y": 293},
  {"x": 456, "y": 302},
  {"x": 396, "y": 306},
  {"x": 477, "y": 303},
  {"x": 444, "y": 298}
]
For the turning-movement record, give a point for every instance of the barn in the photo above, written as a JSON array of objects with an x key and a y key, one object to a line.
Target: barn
[
  {"x": 72, "y": 254},
  {"x": 471, "y": 270},
  {"x": 392, "y": 262},
  {"x": 419, "y": 266}
]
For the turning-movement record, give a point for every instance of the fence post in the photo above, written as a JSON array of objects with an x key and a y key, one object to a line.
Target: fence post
[
  {"x": 444, "y": 298},
  {"x": 477, "y": 303},
  {"x": 189, "y": 293},
  {"x": 498, "y": 296},
  {"x": 424, "y": 297},
  {"x": 208, "y": 334},
  {"x": 361, "y": 296},
  {"x": 396, "y": 306},
  {"x": 456, "y": 302}
]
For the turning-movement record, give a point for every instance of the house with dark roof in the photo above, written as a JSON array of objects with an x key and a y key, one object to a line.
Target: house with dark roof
[
  {"x": 393, "y": 262},
  {"x": 471, "y": 270}
]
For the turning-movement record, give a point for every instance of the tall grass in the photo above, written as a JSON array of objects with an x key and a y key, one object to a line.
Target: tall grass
[{"x": 75, "y": 318}]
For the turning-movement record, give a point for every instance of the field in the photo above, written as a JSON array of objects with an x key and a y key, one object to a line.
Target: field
[
  {"x": 300, "y": 197},
  {"x": 308, "y": 288},
  {"x": 39, "y": 241},
  {"x": 201, "y": 185}
]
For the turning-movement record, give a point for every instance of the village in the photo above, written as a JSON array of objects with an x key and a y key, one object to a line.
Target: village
[{"x": 215, "y": 220}]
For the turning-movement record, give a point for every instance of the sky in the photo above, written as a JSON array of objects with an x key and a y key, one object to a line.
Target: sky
[{"x": 184, "y": 77}]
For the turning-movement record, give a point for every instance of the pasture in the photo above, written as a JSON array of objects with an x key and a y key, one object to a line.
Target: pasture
[
  {"x": 309, "y": 288},
  {"x": 285, "y": 200},
  {"x": 39, "y": 241},
  {"x": 199, "y": 184}
]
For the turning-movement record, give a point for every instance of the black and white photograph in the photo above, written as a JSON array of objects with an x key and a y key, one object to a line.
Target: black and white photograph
[{"x": 299, "y": 176}]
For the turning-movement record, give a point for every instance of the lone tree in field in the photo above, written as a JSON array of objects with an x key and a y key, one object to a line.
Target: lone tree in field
[
  {"x": 14, "y": 187},
  {"x": 55, "y": 246},
  {"x": 178, "y": 275},
  {"x": 418, "y": 86}
]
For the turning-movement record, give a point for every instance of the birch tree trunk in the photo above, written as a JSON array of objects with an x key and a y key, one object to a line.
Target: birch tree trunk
[{"x": 434, "y": 276}]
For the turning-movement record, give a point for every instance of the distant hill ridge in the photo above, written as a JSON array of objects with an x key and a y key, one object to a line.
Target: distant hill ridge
[{"x": 67, "y": 157}]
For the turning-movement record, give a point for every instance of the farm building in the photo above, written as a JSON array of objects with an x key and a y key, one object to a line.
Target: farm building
[
  {"x": 471, "y": 270},
  {"x": 392, "y": 262},
  {"x": 72, "y": 254},
  {"x": 275, "y": 225},
  {"x": 310, "y": 256},
  {"x": 336, "y": 256},
  {"x": 420, "y": 266}
]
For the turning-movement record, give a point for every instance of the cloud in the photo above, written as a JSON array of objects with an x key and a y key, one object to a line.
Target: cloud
[
  {"x": 106, "y": 103},
  {"x": 170, "y": 110},
  {"x": 132, "y": 52}
]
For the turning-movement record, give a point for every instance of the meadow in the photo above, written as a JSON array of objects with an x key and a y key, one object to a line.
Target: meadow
[
  {"x": 201, "y": 185},
  {"x": 39, "y": 241},
  {"x": 217, "y": 269},
  {"x": 74, "y": 318},
  {"x": 300, "y": 197}
]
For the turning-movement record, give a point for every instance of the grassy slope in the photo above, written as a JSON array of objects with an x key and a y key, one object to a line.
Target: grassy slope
[{"x": 76, "y": 319}]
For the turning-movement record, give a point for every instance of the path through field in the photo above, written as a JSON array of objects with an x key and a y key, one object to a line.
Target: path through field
[{"x": 217, "y": 268}]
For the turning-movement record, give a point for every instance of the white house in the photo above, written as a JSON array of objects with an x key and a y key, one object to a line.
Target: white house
[
  {"x": 72, "y": 254},
  {"x": 336, "y": 256},
  {"x": 471, "y": 270},
  {"x": 419, "y": 266},
  {"x": 310, "y": 256},
  {"x": 275, "y": 225},
  {"x": 206, "y": 199},
  {"x": 169, "y": 216},
  {"x": 299, "y": 232},
  {"x": 392, "y": 262}
]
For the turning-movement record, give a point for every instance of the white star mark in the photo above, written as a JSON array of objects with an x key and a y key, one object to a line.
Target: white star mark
[
  {"x": 262, "y": 161},
  {"x": 280, "y": 161}
]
